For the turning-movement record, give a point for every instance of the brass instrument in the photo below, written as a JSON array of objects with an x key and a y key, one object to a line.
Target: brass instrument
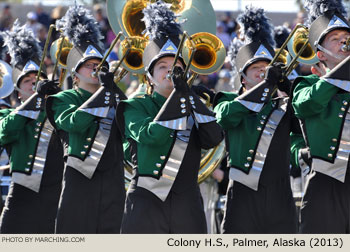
[
  {"x": 6, "y": 84},
  {"x": 203, "y": 53},
  {"x": 284, "y": 57},
  {"x": 296, "y": 43},
  {"x": 299, "y": 48},
  {"x": 125, "y": 16},
  {"x": 59, "y": 51},
  {"x": 206, "y": 56},
  {"x": 44, "y": 54}
]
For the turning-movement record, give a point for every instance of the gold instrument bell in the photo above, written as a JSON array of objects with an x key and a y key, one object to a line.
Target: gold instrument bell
[
  {"x": 55, "y": 51},
  {"x": 299, "y": 38}
]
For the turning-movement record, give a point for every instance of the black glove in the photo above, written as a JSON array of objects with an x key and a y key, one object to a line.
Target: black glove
[
  {"x": 106, "y": 79},
  {"x": 48, "y": 87},
  {"x": 306, "y": 155},
  {"x": 284, "y": 85},
  {"x": 202, "y": 90},
  {"x": 180, "y": 84},
  {"x": 274, "y": 73}
]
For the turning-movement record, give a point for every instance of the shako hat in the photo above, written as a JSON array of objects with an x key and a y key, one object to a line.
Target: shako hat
[
  {"x": 163, "y": 32},
  {"x": 24, "y": 50},
  {"x": 258, "y": 36},
  {"x": 324, "y": 16},
  {"x": 82, "y": 30}
]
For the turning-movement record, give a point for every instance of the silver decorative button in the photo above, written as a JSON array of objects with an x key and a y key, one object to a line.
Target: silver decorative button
[
  {"x": 88, "y": 139},
  {"x": 183, "y": 105},
  {"x": 36, "y": 136},
  {"x": 27, "y": 169},
  {"x": 158, "y": 165},
  {"x": 340, "y": 115},
  {"x": 155, "y": 172},
  {"x": 108, "y": 93},
  {"x": 332, "y": 148},
  {"x": 334, "y": 140},
  {"x": 249, "y": 158},
  {"x": 263, "y": 99},
  {"x": 191, "y": 97},
  {"x": 162, "y": 157},
  {"x": 182, "y": 100},
  {"x": 183, "y": 111},
  {"x": 330, "y": 155},
  {"x": 345, "y": 103},
  {"x": 258, "y": 128},
  {"x": 251, "y": 151},
  {"x": 86, "y": 146},
  {"x": 83, "y": 153},
  {"x": 30, "y": 156},
  {"x": 246, "y": 165},
  {"x": 266, "y": 90}
]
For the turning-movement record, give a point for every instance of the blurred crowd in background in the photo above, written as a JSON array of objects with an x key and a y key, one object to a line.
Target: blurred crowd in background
[{"x": 39, "y": 21}]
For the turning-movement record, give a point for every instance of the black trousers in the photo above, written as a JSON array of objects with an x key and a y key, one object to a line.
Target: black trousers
[
  {"x": 326, "y": 205},
  {"x": 28, "y": 212},
  {"x": 271, "y": 209},
  {"x": 91, "y": 205},
  {"x": 180, "y": 213}
]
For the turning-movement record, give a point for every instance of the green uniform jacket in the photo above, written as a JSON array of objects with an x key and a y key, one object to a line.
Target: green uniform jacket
[
  {"x": 81, "y": 126},
  {"x": 21, "y": 134},
  {"x": 323, "y": 108},
  {"x": 153, "y": 140},
  {"x": 243, "y": 128}
]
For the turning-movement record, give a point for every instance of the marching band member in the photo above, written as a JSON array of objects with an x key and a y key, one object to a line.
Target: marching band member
[
  {"x": 36, "y": 153},
  {"x": 93, "y": 193},
  {"x": 323, "y": 103},
  {"x": 259, "y": 196},
  {"x": 166, "y": 130}
]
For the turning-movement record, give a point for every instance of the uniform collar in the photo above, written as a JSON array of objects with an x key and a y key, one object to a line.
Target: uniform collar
[
  {"x": 83, "y": 93},
  {"x": 159, "y": 99}
]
